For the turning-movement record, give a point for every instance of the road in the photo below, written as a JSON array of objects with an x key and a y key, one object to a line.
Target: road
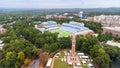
[{"x": 35, "y": 63}]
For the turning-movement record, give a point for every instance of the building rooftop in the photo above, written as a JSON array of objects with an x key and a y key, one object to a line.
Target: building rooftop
[
  {"x": 112, "y": 28},
  {"x": 1, "y": 41},
  {"x": 112, "y": 43},
  {"x": 49, "y": 22}
]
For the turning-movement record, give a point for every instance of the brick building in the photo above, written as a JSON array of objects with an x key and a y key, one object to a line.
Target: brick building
[
  {"x": 2, "y": 30},
  {"x": 114, "y": 30}
]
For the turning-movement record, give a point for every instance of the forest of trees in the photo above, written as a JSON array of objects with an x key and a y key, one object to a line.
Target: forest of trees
[
  {"x": 102, "y": 54},
  {"x": 90, "y": 45},
  {"x": 22, "y": 41}
]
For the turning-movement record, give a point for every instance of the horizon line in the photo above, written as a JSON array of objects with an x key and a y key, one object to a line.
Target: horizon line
[{"x": 57, "y": 8}]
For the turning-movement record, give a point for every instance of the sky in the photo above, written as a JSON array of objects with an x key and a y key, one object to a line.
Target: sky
[{"x": 59, "y": 3}]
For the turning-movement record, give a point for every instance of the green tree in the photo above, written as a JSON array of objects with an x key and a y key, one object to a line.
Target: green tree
[
  {"x": 21, "y": 56},
  {"x": 102, "y": 60},
  {"x": 113, "y": 51},
  {"x": 65, "y": 42}
]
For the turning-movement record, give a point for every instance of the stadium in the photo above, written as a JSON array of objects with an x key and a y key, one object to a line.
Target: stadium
[{"x": 66, "y": 29}]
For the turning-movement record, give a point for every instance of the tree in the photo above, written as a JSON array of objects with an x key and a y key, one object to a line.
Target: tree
[
  {"x": 54, "y": 47},
  {"x": 9, "y": 60},
  {"x": 21, "y": 56},
  {"x": 27, "y": 62},
  {"x": 94, "y": 51},
  {"x": 35, "y": 51},
  {"x": 105, "y": 37},
  {"x": 46, "y": 47},
  {"x": 113, "y": 51},
  {"x": 102, "y": 60},
  {"x": 65, "y": 42},
  {"x": 79, "y": 43},
  {"x": 86, "y": 43}
]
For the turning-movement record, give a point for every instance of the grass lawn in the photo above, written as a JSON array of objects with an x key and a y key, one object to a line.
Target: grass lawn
[
  {"x": 59, "y": 64},
  {"x": 62, "y": 54},
  {"x": 84, "y": 66},
  {"x": 62, "y": 33}
]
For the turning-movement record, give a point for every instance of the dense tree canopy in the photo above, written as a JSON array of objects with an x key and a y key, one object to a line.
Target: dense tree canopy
[{"x": 90, "y": 45}]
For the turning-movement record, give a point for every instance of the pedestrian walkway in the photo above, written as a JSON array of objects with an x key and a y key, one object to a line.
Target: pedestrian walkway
[
  {"x": 52, "y": 62},
  {"x": 35, "y": 63}
]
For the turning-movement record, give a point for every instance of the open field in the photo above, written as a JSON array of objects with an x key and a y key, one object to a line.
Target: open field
[
  {"x": 59, "y": 64},
  {"x": 62, "y": 33}
]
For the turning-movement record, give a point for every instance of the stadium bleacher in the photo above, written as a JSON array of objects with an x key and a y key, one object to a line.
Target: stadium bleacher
[
  {"x": 74, "y": 28},
  {"x": 52, "y": 28},
  {"x": 50, "y": 25}
]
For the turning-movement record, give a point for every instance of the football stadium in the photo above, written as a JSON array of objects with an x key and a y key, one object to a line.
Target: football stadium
[{"x": 66, "y": 29}]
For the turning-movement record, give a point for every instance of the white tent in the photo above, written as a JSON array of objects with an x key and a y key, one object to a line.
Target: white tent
[
  {"x": 58, "y": 54},
  {"x": 68, "y": 54},
  {"x": 1, "y": 41},
  {"x": 85, "y": 57},
  {"x": 80, "y": 54},
  {"x": 69, "y": 63},
  {"x": 78, "y": 64},
  {"x": 62, "y": 59},
  {"x": 90, "y": 65},
  {"x": 83, "y": 62},
  {"x": 65, "y": 53}
]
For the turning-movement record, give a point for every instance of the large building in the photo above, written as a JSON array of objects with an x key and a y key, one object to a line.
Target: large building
[
  {"x": 76, "y": 28},
  {"x": 81, "y": 14},
  {"x": 112, "y": 43},
  {"x": 47, "y": 26},
  {"x": 106, "y": 20},
  {"x": 114, "y": 30},
  {"x": 64, "y": 30},
  {"x": 59, "y": 16},
  {"x": 2, "y": 30}
]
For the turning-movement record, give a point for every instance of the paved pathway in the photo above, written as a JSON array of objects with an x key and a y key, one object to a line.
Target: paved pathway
[
  {"x": 52, "y": 62},
  {"x": 35, "y": 63},
  {"x": 77, "y": 67}
]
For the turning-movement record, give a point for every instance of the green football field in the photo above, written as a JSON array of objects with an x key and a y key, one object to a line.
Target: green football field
[{"x": 62, "y": 33}]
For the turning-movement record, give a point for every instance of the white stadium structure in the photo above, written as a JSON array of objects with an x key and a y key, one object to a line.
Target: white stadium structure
[{"x": 71, "y": 27}]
